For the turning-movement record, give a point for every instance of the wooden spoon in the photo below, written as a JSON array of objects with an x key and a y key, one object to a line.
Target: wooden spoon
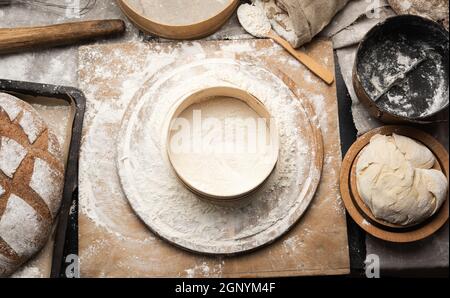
[
  {"x": 255, "y": 22},
  {"x": 306, "y": 60}
]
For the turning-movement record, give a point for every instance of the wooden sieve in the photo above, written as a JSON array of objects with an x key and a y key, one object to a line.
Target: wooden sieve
[{"x": 227, "y": 197}]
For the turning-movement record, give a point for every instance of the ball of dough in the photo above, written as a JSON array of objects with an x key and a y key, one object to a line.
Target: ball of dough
[{"x": 396, "y": 180}]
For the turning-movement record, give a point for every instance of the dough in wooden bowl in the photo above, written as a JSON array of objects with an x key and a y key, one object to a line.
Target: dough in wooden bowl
[
  {"x": 396, "y": 180},
  {"x": 31, "y": 182}
]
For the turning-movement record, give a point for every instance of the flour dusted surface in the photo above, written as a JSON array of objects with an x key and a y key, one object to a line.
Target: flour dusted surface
[
  {"x": 169, "y": 208},
  {"x": 19, "y": 226},
  {"x": 11, "y": 155},
  {"x": 31, "y": 126},
  {"x": 10, "y": 108},
  {"x": 254, "y": 20},
  {"x": 107, "y": 221},
  {"x": 28, "y": 272},
  {"x": 47, "y": 183}
]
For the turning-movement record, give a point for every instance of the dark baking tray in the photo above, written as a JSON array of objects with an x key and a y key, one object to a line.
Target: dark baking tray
[{"x": 66, "y": 239}]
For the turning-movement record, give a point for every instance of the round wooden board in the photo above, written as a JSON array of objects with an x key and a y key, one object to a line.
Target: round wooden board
[
  {"x": 182, "y": 218},
  {"x": 191, "y": 31},
  {"x": 362, "y": 215}
]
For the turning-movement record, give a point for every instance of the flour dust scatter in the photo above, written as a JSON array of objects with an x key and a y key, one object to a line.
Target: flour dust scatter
[
  {"x": 254, "y": 20},
  {"x": 71, "y": 8}
]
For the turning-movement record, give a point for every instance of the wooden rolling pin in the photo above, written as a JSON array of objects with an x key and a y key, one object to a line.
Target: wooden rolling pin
[{"x": 23, "y": 39}]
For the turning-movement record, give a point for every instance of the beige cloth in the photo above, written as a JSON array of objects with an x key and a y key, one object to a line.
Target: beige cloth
[
  {"x": 298, "y": 21},
  {"x": 436, "y": 10}
]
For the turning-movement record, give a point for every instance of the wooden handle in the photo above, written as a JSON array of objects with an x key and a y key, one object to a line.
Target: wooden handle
[
  {"x": 22, "y": 39},
  {"x": 306, "y": 60}
]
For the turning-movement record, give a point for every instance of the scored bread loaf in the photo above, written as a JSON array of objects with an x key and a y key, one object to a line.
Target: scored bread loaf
[{"x": 31, "y": 182}]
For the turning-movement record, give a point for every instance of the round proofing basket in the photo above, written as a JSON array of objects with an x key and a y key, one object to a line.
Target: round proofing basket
[
  {"x": 253, "y": 103},
  {"x": 191, "y": 31}
]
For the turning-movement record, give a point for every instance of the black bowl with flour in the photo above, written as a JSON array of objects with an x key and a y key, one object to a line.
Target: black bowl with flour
[{"x": 401, "y": 70}]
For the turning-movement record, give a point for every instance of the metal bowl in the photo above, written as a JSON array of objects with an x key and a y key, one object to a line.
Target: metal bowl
[{"x": 407, "y": 55}]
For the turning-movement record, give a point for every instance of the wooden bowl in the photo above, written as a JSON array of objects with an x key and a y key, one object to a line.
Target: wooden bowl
[
  {"x": 228, "y": 197},
  {"x": 199, "y": 29},
  {"x": 362, "y": 215}
]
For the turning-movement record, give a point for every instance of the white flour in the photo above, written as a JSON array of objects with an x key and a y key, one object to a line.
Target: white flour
[
  {"x": 11, "y": 109},
  {"x": 103, "y": 201},
  {"x": 58, "y": 119},
  {"x": 169, "y": 208},
  {"x": 104, "y": 209},
  {"x": 220, "y": 147},
  {"x": 31, "y": 126},
  {"x": 47, "y": 183},
  {"x": 440, "y": 97},
  {"x": 21, "y": 227},
  {"x": 11, "y": 155},
  {"x": 405, "y": 98},
  {"x": 205, "y": 270},
  {"x": 254, "y": 20},
  {"x": 293, "y": 243},
  {"x": 28, "y": 272},
  {"x": 179, "y": 12}
]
